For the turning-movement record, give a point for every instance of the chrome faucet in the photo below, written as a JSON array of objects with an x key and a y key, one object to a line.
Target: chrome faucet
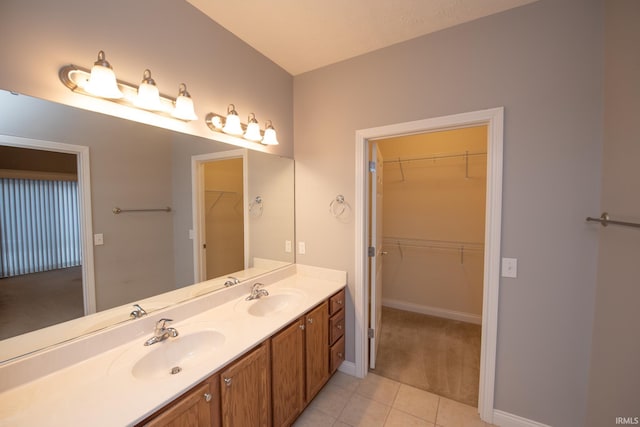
[
  {"x": 256, "y": 292},
  {"x": 232, "y": 281},
  {"x": 161, "y": 332},
  {"x": 138, "y": 312}
]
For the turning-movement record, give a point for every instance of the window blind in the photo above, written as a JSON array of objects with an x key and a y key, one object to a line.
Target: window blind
[{"x": 39, "y": 226}]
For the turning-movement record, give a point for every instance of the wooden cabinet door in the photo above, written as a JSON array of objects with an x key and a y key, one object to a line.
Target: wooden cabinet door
[
  {"x": 317, "y": 349},
  {"x": 287, "y": 374},
  {"x": 192, "y": 410},
  {"x": 245, "y": 391}
]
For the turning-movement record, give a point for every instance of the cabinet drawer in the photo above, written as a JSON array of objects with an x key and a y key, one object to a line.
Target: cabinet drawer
[
  {"x": 337, "y": 355},
  {"x": 336, "y": 303},
  {"x": 336, "y": 327}
]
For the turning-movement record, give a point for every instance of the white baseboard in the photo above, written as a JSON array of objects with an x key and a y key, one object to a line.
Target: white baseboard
[
  {"x": 505, "y": 419},
  {"x": 348, "y": 368},
  {"x": 433, "y": 311}
]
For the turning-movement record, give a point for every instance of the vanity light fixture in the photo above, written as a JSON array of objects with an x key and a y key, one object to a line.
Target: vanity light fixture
[
  {"x": 184, "y": 105},
  {"x": 101, "y": 82},
  {"x": 148, "y": 93},
  {"x": 270, "y": 137},
  {"x": 253, "y": 129},
  {"x": 231, "y": 125}
]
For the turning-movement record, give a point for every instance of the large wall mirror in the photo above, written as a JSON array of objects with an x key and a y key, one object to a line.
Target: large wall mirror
[{"x": 172, "y": 217}]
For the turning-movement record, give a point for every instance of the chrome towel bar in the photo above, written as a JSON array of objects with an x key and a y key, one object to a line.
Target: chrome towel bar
[
  {"x": 605, "y": 220},
  {"x": 117, "y": 210}
]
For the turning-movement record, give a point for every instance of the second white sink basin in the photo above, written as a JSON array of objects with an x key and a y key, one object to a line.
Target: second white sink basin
[
  {"x": 172, "y": 356},
  {"x": 279, "y": 301}
]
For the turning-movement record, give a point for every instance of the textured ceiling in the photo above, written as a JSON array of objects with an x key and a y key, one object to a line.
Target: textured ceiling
[{"x": 302, "y": 35}]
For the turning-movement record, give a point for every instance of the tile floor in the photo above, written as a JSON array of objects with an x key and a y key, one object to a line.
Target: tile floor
[{"x": 379, "y": 401}]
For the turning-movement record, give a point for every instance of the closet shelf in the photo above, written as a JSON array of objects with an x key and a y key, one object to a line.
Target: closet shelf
[
  {"x": 436, "y": 157},
  {"x": 447, "y": 245}
]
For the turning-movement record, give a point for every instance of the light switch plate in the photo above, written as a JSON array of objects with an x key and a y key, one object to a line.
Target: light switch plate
[
  {"x": 510, "y": 267},
  {"x": 98, "y": 239}
]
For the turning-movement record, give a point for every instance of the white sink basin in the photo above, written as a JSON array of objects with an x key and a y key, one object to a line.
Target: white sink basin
[
  {"x": 174, "y": 355},
  {"x": 276, "y": 302}
]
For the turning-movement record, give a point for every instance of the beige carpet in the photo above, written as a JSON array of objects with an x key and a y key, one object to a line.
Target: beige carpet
[
  {"x": 33, "y": 301},
  {"x": 441, "y": 356}
]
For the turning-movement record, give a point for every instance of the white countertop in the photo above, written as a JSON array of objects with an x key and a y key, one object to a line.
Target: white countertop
[{"x": 101, "y": 390}]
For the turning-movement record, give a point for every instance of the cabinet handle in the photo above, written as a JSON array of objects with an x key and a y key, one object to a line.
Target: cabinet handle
[
  {"x": 207, "y": 397},
  {"x": 310, "y": 320},
  {"x": 301, "y": 326},
  {"x": 339, "y": 326},
  {"x": 227, "y": 381},
  {"x": 339, "y": 302},
  {"x": 340, "y": 355}
]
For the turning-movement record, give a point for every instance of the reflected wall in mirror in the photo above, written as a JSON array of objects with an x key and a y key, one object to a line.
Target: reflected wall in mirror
[{"x": 141, "y": 257}]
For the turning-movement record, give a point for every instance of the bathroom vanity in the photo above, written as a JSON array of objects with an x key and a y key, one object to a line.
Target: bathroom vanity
[{"x": 234, "y": 362}]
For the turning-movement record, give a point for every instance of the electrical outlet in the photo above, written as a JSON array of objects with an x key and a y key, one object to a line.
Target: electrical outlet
[
  {"x": 302, "y": 248},
  {"x": 287, "y": 246},
  {"x": 510, "y": 267}
]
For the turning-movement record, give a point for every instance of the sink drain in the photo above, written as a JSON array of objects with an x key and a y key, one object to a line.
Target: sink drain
[{"x": 175, "y": 370}]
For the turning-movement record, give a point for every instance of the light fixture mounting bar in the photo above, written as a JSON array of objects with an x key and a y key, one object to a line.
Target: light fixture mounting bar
[{"x": 213, "y": 117}]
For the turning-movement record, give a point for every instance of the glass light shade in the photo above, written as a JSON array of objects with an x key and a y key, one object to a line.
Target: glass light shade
[
  {"x": 253, "y": 129},
  {"x": 184, "y": 108},
  {"x": 184, "y": 105},
  {"x": 253, "y": 132},
  {"x": 232, "y": 124},
  {"x": 102, "y": 82},
  {"x": 270, "y": 137},
  {"x": 148, "y": 97}
]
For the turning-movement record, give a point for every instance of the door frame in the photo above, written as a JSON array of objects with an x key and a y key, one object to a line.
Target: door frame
[
  {"x": 84, "y": 205},
  {"x": 197, "y": 179},
  {"x": 494, "y": 120}
]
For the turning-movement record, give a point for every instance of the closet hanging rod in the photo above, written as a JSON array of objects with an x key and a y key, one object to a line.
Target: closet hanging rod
[
  {"x": 117, "y": 210},
  {"x": 435, "y": 157},
  {"x": 221, "y": 191},
  {"x": 426, "y": 242},
  {"x": 605, "y": 220}
]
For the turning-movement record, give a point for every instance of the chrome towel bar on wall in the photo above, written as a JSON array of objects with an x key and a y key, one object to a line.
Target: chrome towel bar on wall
[
  {"x": 605, "y": 220},
  {"x": 117, "y": 210}
]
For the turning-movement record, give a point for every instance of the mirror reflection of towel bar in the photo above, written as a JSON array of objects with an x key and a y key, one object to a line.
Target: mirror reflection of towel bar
[
  {"x": 117, "y": 210},
  {"x": 605, "y": 220}
]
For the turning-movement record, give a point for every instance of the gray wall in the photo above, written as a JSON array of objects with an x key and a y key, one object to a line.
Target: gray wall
[
  {"x": 543, "y": 63},
  {"x": 615, "y": 377}
]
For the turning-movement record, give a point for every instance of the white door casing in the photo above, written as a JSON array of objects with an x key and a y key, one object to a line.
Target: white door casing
[
  {"x": 494, "y": 120},
  {"x": 84, "y": 204},
  {"x": 197, "y": 197},
  {"x": 375, "y": 261}
]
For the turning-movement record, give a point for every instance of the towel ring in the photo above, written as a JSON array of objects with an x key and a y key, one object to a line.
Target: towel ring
[
  {"x": 337, "y": 206},
  {"x": 256, "y": 207}
]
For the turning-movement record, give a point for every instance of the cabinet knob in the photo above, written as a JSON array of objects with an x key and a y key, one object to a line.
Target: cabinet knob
[
  {"x": 310, "y": 320},
  {"x": 207, "y": 397},
  {"x": 301, "y": 326},
  {"x": 340, "y": 355},
  {"x": 339, "y": 326},
  {"x": 227, "y": 381},
  {"x": 339, "y": 302}
]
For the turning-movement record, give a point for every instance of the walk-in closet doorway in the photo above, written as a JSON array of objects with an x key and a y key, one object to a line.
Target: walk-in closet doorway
[
  {"x": 366, "y": 335},
  {"x": 429, "y": 217}
]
